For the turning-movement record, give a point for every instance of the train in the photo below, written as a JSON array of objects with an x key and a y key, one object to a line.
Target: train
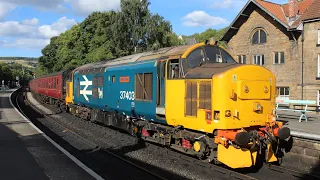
[{"x": 196, "y": 99}]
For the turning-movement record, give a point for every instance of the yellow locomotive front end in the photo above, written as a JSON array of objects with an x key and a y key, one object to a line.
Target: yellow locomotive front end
[
  {"x": 243, "y": 111},
  {"x": 233, "y": 104}
]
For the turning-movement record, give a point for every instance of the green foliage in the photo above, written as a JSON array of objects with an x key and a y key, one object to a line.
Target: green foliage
[
  {"x": 206, "y": 35},
  {"x": 19, "y": 58},
  {"x": 9, "y": 72},
  {"x": 108, "y": 35}
]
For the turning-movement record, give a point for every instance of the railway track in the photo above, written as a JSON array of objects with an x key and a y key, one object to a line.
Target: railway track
[
  {"x": 267, "y": 172},
  {"x": 87, "y": 141}
]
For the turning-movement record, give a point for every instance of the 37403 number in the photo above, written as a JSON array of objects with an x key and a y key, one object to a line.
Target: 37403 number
[{"x": 128, "y": 95}]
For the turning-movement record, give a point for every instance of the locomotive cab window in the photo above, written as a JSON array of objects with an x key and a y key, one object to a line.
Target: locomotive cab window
[
  {"x": 174, "y": 70},
  {"x": 210, "y": 54},
  {"x": 216, "y": 54},
  {"x": 195, "y": 58}
]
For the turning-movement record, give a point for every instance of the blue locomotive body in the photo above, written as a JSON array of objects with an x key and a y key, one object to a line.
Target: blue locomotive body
[{"x": 128, "y": 89}]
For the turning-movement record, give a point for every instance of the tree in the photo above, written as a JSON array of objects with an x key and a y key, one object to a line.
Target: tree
[{"x": 108, "y": 35}]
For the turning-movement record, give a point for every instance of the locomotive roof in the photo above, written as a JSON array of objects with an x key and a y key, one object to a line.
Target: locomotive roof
[{"x": 168, "y": 51}]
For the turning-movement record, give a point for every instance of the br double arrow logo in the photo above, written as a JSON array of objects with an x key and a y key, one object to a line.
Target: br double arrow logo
[{"x": 86, "y": 83}]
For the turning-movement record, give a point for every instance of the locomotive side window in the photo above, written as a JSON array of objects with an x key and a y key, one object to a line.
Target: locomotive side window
[
  {"x": 143, "y": 86},
  {"x": 174, "y": 70},
  {"x": 96, "y": 82},
  {"x": 100, "y": 81}
]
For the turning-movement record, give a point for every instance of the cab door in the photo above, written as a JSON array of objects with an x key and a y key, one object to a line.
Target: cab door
[
  {"x": 172, "y": 72},
  {"x": 161, "y": 83}
]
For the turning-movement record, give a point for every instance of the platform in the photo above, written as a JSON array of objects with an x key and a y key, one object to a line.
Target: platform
[
  {"x": 26, "y": 154},
  {"x": 291, "y": 120}
]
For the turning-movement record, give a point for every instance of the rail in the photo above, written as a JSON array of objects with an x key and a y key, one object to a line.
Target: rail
[{"x": 303, "y": 111}]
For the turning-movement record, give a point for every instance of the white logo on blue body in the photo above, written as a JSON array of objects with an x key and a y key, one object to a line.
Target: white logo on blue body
[
  {"x": 100, "y": 92},
  {"x": 86, "y": 83}
]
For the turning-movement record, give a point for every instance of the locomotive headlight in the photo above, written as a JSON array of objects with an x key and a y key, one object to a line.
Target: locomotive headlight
[
  {"x": 208, "y": 116},
  {"x": 228, "y": 113},
  {"x": 246, "y": 89},
  {"x": 257, "y": 106},
  {"x": 266, "y": 89}
]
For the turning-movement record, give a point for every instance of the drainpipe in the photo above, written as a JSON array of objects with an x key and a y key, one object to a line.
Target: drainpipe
[{"x": 302, "y": 61}]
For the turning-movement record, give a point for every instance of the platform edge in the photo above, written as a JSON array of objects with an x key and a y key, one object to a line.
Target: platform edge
[{"x": 74, "y": 159}]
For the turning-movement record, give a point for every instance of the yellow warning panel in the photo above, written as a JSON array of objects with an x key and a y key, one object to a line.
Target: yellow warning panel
[
  {"x": 236, "y": 158},
  {"x": 270, "y": 156}
]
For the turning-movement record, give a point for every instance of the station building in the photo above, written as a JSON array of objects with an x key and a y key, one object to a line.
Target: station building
[{"x": 284, "y": 38}]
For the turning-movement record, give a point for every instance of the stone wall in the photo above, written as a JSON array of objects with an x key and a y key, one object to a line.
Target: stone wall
[
  {"x": 305, "y": 154},
  {"x": 311, "y": 51}
]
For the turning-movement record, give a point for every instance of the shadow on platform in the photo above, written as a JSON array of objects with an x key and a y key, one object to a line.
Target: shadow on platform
[{"x": 99, "y": 160}]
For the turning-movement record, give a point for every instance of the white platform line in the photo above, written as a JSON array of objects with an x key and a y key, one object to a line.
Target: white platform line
[{"x": 74, "y": 159}]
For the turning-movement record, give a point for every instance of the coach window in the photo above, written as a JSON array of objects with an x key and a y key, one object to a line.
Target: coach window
[
  {"x": 174, "y": 70},
  {"x": 143, "y": 86}
]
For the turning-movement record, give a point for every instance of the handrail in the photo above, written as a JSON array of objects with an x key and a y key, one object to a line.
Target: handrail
[{"x": 285, "y": 101}]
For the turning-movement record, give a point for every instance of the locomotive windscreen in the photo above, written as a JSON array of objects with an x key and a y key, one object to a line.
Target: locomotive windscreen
[{"x": 209, "y": 54}]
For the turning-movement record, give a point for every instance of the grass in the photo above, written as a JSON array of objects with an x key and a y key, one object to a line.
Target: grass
[{"x": 22, "y": 62}]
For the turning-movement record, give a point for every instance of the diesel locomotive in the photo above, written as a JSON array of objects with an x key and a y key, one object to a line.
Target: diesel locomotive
[{"x": 195, "y": 99}]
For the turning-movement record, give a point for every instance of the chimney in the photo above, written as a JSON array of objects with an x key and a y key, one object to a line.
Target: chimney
[{"x": 293, "y": 9}]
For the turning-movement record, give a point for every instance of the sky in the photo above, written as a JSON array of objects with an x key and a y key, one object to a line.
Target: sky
[{"x": 26, "y": 26}]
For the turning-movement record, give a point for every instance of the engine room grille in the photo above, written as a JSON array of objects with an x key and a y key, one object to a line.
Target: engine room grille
[
  {"x": 191, "y": 99},
  {"x": 143, "y": 86},
  {"x": 205, "y": 95}
]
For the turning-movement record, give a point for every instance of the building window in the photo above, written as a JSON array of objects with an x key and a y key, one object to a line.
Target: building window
[
  {"x": 318, "y": 36},
  {"x": 258, "y": 59},
  {"x": 278, "y": 57},
  {"x": 283, "y": 92},
  {"x": 242, "y": 59},
  {"x": 259, "y": 37},
  {"x": 318, "y": 75},
  {"x": 318, "y": 99}
]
